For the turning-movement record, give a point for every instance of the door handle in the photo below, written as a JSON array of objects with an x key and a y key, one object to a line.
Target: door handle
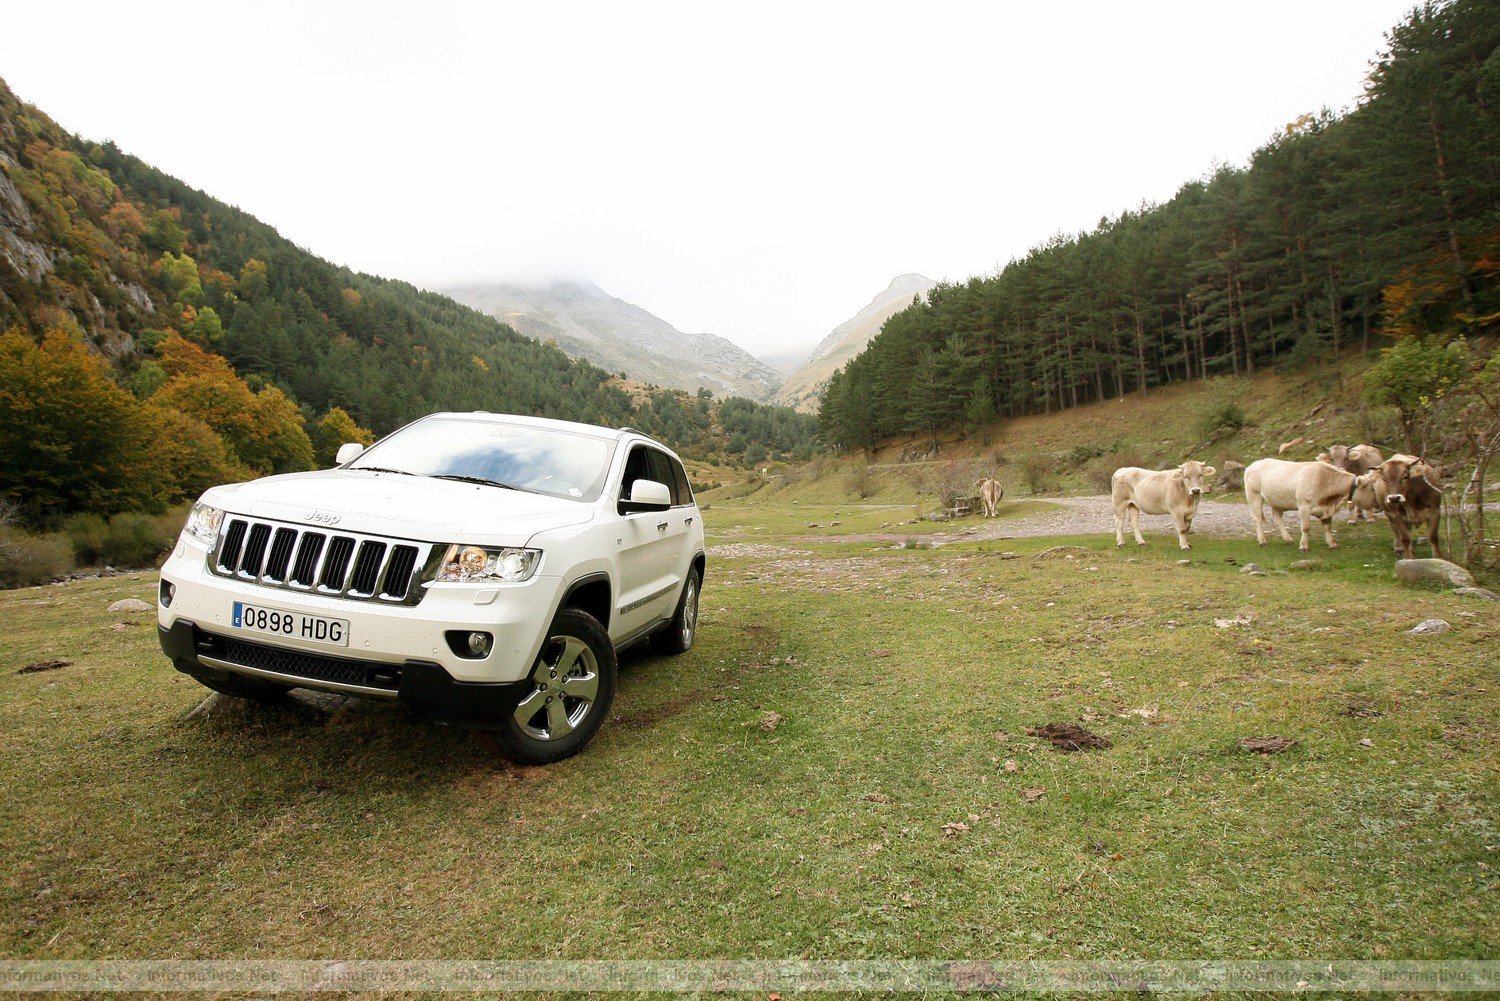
[
  {"x": 687, "y": 521},
  {"x": 661, "y": 527}
]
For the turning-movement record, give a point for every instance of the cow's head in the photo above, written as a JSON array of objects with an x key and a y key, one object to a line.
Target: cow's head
[
  {"x": 1337, "y": 455},
  {"x": 1396, "y": 474},
  {"x": 1369, "y": 490},
  {"x": 1192, "y": 474}
]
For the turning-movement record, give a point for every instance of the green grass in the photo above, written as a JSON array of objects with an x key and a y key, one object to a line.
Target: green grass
[{"x": 905, "y": 680}]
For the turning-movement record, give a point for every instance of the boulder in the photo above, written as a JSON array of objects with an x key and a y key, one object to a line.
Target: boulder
[
  {"x": 1477, "y": 592},
  {"x": 1429, "y": 627},
  {"x": 1433, "y": 571},
  {"x": 131, "y": 605},
  {"x": 1251, "y": 568}
]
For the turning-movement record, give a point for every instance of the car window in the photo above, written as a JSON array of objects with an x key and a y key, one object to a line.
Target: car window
[
  {"x": 637, "y": 467},
  {"x": 683, "y": 494},
  {"x": 541, "y": 459},
  {"x": 661, "y": 471}
]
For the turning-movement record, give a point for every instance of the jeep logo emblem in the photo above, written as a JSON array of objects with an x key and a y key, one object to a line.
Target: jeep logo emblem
[{"x": 322, "y": 518}]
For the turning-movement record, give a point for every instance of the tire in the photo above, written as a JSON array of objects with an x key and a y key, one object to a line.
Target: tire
[
  {"x": 572, "y": 686},
  {"x": 679, "y": 634},
  {"x": 242, "y": 687}
]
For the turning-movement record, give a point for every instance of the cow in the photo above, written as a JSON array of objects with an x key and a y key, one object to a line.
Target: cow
[
  {"x": 1359, "y": 460},
  {"x": 1411, "y": 495},
  {"x": 1158, "y": 491},
  {"x": 990, "y": 495},
  {"x": 1287, "y": 446},
  {"x": 1313, "y": 489},
  {"x": 1234, "y": 476}
]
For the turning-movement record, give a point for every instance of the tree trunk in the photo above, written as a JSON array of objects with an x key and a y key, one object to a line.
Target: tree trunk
[{"x": 1445, "y": 191}]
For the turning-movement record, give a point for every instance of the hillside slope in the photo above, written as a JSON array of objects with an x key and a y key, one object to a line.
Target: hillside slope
[
  {"x": 589, "y": 323},
  {"x": 804, "y": 386}
]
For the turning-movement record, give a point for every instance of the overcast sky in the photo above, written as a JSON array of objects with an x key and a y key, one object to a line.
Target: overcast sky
[{"x": 759, "y": 170}]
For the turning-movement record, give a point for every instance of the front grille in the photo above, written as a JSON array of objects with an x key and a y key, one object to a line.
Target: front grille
[
  {"x": 295, "y": 664},
  {"x": 338, "y": 565}
]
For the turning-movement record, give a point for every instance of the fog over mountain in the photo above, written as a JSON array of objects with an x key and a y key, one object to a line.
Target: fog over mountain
[
  {"x": 589, "y": 323},
  {"x": 804, "y": 386}
]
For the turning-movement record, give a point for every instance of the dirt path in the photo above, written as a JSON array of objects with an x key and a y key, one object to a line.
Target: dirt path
[{"x": 1084, "y": 515}]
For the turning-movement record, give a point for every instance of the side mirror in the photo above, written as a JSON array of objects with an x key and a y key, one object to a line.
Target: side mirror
[
  {"x": 647, "y": 495},
  {"x": 348, "y": 452}
]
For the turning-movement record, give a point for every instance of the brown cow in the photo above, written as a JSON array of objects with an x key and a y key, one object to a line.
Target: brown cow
[
  {"x": 1412, "y": 496},
  {"x": 1313, "y": 489},
  {"x": 1359, "y": 460},
  {"x": 990, "y": 495},
  {"x": 1152, "y": 491}
]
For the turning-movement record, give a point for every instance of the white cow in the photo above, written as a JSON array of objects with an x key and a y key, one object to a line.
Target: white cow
[
  {"x": 1312, "y": 489},
  {"x": 990, "y": 494},
  {"x": 1152, "y": 491}
]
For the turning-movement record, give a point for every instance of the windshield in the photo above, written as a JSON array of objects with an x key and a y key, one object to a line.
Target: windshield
[{"x": 520, "y": 456}]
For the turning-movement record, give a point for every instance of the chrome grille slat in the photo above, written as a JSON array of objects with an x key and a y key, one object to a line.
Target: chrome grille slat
[{"x": 334, "y": 564}]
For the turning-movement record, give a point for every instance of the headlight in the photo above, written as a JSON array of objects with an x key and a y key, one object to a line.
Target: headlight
[
  {"x": 203, "y": 525},
  {"x": 485, "y": 563}
]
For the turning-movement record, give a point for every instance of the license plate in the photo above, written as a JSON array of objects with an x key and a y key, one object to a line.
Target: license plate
[{"x": 294, "y": 625}]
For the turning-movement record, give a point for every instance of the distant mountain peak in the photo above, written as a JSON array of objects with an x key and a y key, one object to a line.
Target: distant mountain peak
[
  {"x": 804, "y": 387},
  {"x": 587, "y": 322}
]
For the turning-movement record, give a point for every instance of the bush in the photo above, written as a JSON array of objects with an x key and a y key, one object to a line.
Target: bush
[
  {"x": 1220, "y": 413},
  {"x": 126, "y": 540},
  {"x": 1099, "y": 473},
  {"x": 1037, "y": 472},
  {"x": 27, "y": 559},
  {"x": 862, "y": 482}
]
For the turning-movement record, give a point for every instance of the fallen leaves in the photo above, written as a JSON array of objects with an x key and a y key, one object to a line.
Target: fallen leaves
[
  {"x": 1271, "y": 744},
  {"x": 876, "y": 797},
  {"x": 954, "y": 828},
  {"x": 1033, "y": 794},
  {"x": 770, "y": 720},
  {"x": 1011, "y": 765}
]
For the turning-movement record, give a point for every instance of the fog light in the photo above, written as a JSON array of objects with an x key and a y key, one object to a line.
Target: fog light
[
  {"x": 479, "y": 644},
  {"x": 168, "y": 591}
]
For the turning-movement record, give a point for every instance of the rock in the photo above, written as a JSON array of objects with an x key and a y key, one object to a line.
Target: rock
[
  {"x": 132, "y": 605},
  {"x": 813, "y": 524},
  {"x": 1477, "y": 592},
  {"x": 1184, "y": 563},
  {"x": 1243, "y": 619},
  {"x": 1008, "y": 556},
  {"x": 834, "y": 524},
  {"x": 1429, "y": 627},
  {"x": 1306, "y": 565},
  {"x": 1433, "y": 572},
  {"x": 1251, "y": 568}
]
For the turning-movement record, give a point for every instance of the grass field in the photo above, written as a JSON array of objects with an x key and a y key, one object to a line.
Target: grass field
[{"x": 839, "y": 769}]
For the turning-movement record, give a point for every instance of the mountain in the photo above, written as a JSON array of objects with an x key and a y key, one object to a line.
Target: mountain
[
  {"x": 804, "y": 387},
  {"x": 155, "y": 340},
  {"x": 589, "y": 323}
]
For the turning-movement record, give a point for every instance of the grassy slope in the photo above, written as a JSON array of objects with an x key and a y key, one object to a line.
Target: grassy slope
[{"x": 906, "y": 680}]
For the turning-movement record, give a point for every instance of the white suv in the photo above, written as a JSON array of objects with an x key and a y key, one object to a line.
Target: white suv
[{"x": 482, "y": 569}]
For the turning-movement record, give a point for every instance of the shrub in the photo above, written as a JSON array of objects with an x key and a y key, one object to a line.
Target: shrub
[
  {"x": 27, "y": 559},
  {"x": 1100, "y": 472},
  {"x": 1220, "y": 412},
  {"x": 862, "y": 482},
  {"x": 126, "y": 540},
  {"x": 1037, "y": 472}
]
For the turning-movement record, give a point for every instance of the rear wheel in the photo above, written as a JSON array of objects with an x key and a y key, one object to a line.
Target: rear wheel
[
  {"x": 242, "y": 687},
  {"x": 678, "y": 635},
  {"x": 571, "y": 687}
]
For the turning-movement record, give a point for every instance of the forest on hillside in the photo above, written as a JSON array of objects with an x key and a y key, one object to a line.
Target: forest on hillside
[
  {"x": 1342, "y": 231},
  {"x": 154, "y": 341}
]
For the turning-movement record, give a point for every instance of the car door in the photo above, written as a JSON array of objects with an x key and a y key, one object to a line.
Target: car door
[{"x": 648, "y": 543}]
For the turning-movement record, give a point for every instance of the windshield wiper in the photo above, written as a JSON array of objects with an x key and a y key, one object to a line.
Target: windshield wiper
[
  {"x": 381, "y": 469},
  {"x": 481, "y": 480}
]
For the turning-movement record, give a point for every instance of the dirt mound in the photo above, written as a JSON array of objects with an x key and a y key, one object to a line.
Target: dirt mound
[{"x": 1070, "y": 737}]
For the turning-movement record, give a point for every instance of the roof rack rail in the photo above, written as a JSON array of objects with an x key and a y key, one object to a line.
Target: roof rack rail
[{"x": 631, "y": 429}]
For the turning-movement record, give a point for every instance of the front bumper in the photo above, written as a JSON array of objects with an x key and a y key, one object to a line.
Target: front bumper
[
  {"x": 424, "y": 686},
  {"x": 516, "y": 616}
]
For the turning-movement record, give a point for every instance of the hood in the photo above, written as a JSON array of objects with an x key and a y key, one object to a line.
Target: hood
[{"x": 407, "y": 507}]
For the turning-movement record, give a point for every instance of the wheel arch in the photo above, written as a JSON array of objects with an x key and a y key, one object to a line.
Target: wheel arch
[{"x": 592, "y": 593}]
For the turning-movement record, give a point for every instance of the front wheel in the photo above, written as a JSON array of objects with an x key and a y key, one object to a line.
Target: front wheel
[
  {"x": 572, "y": 685},
  {"x": 678, "y": 635}
]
